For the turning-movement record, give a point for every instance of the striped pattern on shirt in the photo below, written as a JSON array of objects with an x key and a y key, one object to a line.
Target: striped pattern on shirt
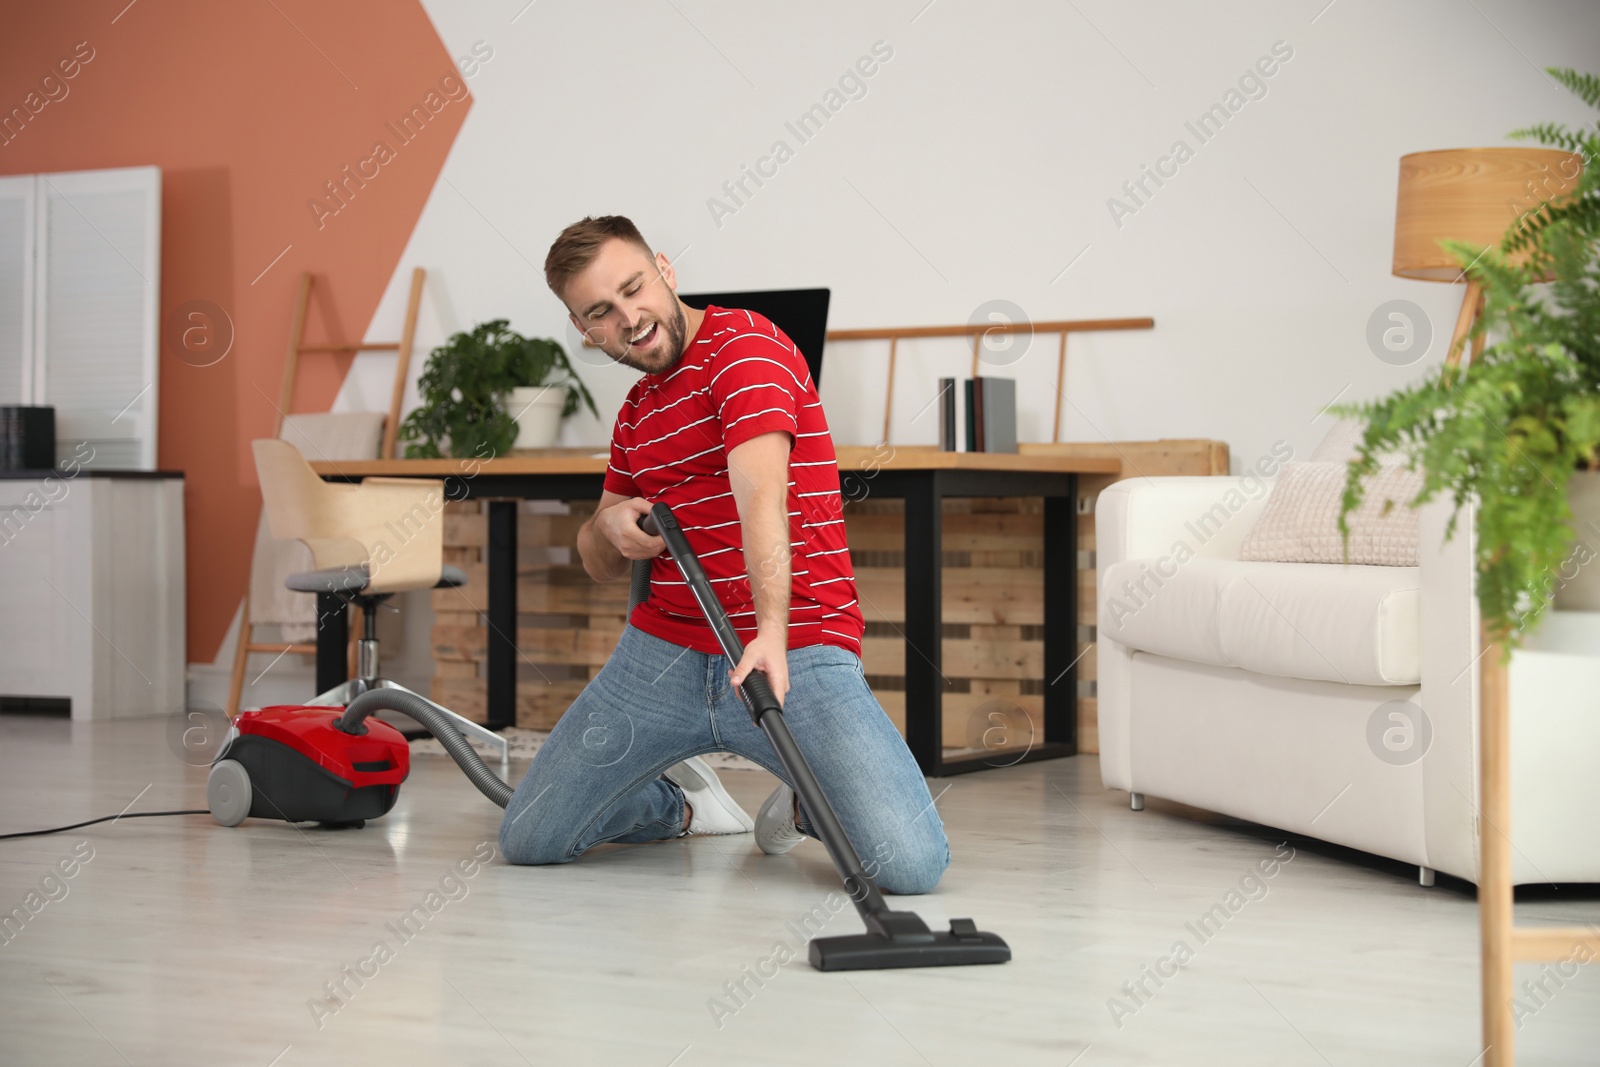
[{"x": 739, "y": 377}]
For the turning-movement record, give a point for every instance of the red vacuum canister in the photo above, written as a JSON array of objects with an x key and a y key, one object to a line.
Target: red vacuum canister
[{"x": 290, "y": 762}]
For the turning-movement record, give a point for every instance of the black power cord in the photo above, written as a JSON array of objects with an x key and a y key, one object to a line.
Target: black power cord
[{"x": 105, "y": 818}]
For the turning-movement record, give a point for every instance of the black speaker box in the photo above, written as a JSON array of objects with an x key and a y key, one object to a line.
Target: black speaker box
[{"x": 27, "y": 438}]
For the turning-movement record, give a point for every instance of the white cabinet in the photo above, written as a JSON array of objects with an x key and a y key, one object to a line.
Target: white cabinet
[{"x": 92, "y": 590}]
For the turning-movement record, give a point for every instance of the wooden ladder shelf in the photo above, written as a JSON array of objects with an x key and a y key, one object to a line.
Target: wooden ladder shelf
[{"x": 291, "y": 370}]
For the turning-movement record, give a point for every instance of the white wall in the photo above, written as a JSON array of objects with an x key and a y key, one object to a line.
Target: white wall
[{"x": 977, "y": 166}]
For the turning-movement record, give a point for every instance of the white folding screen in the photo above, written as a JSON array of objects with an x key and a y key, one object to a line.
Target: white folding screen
[
  {"x": 80, "y": 284},
  {"x": 17, "y": 228}
]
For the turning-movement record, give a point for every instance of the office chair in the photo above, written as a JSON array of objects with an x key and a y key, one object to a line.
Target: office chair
[{"x": 368, "y": 541}]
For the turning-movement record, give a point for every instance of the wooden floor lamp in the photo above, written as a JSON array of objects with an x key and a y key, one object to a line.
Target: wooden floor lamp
[{"x": 1474, "y": 195}]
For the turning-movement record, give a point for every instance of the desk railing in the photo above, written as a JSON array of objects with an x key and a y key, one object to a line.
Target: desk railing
[{"x": 978, "y": 332}]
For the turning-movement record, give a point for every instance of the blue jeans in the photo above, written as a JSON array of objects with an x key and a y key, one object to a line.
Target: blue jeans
[{"x": 597, "y": 778}]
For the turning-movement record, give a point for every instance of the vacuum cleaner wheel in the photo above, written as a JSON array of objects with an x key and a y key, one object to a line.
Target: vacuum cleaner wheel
[{"x": 228, "y": 792}]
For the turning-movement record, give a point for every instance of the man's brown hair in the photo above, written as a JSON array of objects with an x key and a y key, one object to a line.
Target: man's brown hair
[{"x": 579, "y": 243}]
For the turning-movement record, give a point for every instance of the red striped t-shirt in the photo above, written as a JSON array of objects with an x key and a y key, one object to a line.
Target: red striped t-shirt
[{"x": 739, "y": 377}]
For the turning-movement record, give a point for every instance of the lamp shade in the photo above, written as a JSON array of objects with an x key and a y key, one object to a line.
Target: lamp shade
[{"x": 1471, "y": 195}]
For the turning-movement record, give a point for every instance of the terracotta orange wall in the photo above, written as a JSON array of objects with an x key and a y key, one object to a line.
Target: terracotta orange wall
[{"x": 248, "y": 109}]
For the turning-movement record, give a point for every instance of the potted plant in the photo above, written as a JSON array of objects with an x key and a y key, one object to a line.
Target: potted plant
[
  {"x": 1518, "y": 434},
  {"x": 470, "y": 388}
]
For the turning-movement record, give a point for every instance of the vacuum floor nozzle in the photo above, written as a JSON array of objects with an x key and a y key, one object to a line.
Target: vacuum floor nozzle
[{"x": 963, "y": 944}]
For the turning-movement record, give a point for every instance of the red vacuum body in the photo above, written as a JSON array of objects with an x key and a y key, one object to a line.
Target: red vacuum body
[{"x": 290, "y": 762}]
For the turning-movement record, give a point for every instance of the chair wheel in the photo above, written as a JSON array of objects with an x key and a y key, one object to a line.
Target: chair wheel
[{"x": 228, "y": 792}]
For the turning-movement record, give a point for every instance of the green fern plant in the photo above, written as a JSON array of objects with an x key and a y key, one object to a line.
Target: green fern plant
[
  {"x": 1510, "y": 433},
  {"x": 1582, "y": 209},
  {"x": 464, "y": 387}
]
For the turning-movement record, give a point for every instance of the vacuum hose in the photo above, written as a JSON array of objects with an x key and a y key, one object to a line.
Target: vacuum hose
[{"x": 414, "y": 706}]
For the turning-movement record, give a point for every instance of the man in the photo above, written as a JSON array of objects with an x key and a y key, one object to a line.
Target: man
[{"x": 725, "y": 427}]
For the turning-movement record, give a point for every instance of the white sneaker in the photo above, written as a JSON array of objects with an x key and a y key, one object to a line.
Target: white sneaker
[
  {"x": 775, "y": 829},
  {"x": 713, "y": 811}
]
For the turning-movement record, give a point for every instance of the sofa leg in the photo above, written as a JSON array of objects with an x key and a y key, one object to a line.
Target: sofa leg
[
  {"x": 1136, "y": 801},
  {"x": 1425, "y": 877}
]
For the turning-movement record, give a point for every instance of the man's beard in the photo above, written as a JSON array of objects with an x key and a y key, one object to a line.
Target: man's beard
[{"x": 666, "y": 355}]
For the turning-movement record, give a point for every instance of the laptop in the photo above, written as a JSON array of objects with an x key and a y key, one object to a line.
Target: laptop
[{"x": 800, "y": 313}]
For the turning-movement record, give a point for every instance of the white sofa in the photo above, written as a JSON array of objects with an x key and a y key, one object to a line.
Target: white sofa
[{"x": 1258, "y": 690}]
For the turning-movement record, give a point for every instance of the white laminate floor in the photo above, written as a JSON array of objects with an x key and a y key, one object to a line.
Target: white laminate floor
[{"x": 182, "y": 942}]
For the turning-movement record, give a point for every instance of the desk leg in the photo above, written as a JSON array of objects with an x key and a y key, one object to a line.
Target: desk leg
[
  {"x": 1061, "y": 619},
  {"x": 333, "y": 639},
  {"x": 502, "y": 651},
  {"x": 924, "y": 624}
]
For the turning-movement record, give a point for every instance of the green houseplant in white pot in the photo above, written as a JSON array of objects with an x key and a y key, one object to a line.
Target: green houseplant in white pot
[{"x": 470, "y": 390}]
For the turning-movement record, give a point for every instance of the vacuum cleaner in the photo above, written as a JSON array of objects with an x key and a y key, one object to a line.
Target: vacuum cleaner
[
  {"x": 329, "y": 765},
  {"x": 339, "y": 767},
  {"x": 893, "y": 938}
]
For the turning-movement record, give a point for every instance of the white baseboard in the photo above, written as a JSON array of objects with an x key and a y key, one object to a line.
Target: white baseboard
[{"x": 208, "y": 686}]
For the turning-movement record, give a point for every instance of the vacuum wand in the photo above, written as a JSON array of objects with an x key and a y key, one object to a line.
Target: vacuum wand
[
  {"x": 767, "y": 714},
  {"x": 894, "y": 938}
]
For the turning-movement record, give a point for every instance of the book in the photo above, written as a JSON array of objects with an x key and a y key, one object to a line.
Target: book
[
  {"x": 947, "y": 414},
  {"x": 980, "y": 440},
  {"x": 972, "y": 422},
  {"x": 997, "y": 412}
]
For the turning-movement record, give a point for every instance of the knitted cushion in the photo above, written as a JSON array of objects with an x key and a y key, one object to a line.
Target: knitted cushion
[{"x": 1300, "y": 523}]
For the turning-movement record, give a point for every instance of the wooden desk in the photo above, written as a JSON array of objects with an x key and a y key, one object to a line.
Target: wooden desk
[{"x": 921, "y": 476}]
